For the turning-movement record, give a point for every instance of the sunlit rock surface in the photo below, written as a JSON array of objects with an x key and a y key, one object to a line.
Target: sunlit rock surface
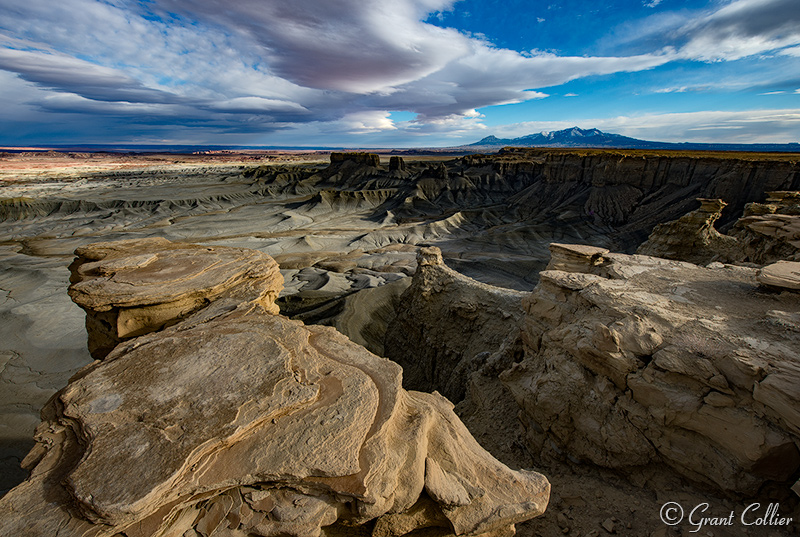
[
  {"x": 129, "y": 288},
  {"x": 625, "y": 362},
  {"x": 692, "y": 237},
  {"x": 767, "y": 232},
  {"x": 236, "y": 421}
]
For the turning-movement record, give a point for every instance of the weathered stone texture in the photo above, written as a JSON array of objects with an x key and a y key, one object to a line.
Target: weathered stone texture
[
  {"x": 129, "y": 288},
  {"x": 767, "y": 232},
  {"x": 236, "y": 421},
  {"x": 448, "y": 326},
  {"x": 641, "y": 360}
]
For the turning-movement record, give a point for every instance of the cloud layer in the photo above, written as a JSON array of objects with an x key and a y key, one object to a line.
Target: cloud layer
[{"x": 201, "y": 69}]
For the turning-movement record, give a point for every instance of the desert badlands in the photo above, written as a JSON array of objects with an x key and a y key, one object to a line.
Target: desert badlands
[{"x": 547, "y": 342}]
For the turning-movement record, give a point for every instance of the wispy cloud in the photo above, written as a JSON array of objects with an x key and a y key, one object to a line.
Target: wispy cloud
[
  {"x": 250, "y": 66},
  {"x": 743, "y": 28},
  {"x": 308, "y": 61}
]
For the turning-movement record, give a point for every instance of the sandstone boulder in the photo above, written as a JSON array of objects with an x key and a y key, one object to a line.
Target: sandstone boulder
[
  {"x": 129, "y": 288},
  {"x": 781, "y": 275},
  {"x": 235, "y": 421}
]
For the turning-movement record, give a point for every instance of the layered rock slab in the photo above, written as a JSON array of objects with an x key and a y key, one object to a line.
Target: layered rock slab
[
  {"x": 236, "y": 421},
  {"x": 634, "y": 360},
  {"x": 132, "y": 287}
]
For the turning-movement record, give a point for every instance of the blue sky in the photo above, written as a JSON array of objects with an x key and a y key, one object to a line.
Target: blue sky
[{"x": 395, "y": 73}]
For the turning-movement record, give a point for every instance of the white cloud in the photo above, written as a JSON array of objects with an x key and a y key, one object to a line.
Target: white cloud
[
  {"x": 793, "y": 51},
  {"x": 743, "y": 28},
  {"x": 254, "y": 66},
  {"x": 364, "y": 122}
]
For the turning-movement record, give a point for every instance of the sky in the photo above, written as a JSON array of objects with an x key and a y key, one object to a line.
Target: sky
[{"x": 395, "y": 73}]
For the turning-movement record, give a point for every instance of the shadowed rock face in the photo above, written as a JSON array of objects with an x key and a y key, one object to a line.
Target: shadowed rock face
[
  {"x": 236, "y": 421},
  {"x": 449, "y": 326},
  {"x": 606, "y": 197}
]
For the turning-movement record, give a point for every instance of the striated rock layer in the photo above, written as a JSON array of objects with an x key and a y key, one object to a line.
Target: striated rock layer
[
  {"x": 632, "y": 360},
  {"x": 236, "y": 421},
  {"x": 129, "y": 288}
]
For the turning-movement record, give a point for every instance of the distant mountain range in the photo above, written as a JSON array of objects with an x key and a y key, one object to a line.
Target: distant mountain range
[{"x": 577, "y": 137}]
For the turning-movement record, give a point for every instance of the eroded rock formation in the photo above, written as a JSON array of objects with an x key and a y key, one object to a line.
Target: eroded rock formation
[
  {"x": 632, "y": 360},
  {"x": 624, "y": 361},
  {"x": 770, "y": 231},
  {"x": 129, "y": 288},
  {"x": 692, "y": 237},
  {"x": 767, "y": 232},
  {"x": 236, "y": 421}
]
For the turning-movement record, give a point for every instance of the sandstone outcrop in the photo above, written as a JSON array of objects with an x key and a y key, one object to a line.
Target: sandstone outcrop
[
  {"x": 625, "y": 362},
  {"x": 397, "y": 164},
  {"x": 236, "y": 421},
  {"x": 449, "y": 326},
  {"x": 781, "y": 275},
  {"x": 633, "y": 360},
  {"x": 767, "y": 232},
  {"x": 127, "y": 295},
  {"x": 770, "y": 231},
  {"x": 362, "y": 159},
  {"x": 692, "y": 237}
]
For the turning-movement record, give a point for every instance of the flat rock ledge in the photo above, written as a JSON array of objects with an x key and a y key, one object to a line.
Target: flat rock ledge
[
  {"x": 781, "y": 275},
  {"x": 238, "y": 422},
  {"x": 132, "y": 287},
  {"x": 635, "y": 360}
]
